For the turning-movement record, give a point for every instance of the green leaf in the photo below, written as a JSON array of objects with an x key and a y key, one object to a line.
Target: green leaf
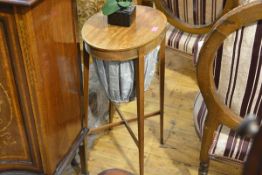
[
  {"x": 110, "y": 7},
  {"x": 124, "y": 3}
]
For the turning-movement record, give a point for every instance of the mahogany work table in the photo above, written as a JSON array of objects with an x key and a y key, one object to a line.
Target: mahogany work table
[{"x": 114, "y": 43}]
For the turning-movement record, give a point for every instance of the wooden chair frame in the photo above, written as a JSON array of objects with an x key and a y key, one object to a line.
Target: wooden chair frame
[
  {"x": 183, "y": 26},
  {"x": 218, "y": 112},
  {"x": 253, "y": 164}
]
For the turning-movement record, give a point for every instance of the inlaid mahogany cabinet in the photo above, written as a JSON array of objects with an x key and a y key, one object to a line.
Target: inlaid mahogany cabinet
[{"x": 40, "y": 87}]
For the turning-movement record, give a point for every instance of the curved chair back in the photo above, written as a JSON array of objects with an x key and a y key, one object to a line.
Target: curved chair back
[
  {"x": 194, "y": 16},
  {"x": 229, "y": 77},
  {"x": 235, "y": 42}
]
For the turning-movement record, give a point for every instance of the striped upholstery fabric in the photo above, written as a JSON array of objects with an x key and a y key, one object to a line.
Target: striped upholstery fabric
[
  {"x": 194, "y": 12},
  {"x": 182, "y": 41},
  {"x": 237, "y": 75}
]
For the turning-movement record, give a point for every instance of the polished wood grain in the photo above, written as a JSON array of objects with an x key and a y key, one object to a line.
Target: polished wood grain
[
  {"x": 185, "y": 27},
  {"x": 148, "y": 25},
  {"x": 111, "y": 112},
  {"x": 113, "y": 43},
  {"x": 118, "y": 52},
  {"x": 218, "y": 112},
  {"x": 41, "y": 76},
  {"x": 139, "y": 66},
  {"x": 83, "y": 148},
  {"x": 125, "y": 54},
  {"x": 162, "y": 87},
  {"x": 18, "y": 146},
  {"x": 54, "y": 83},
  {"x": 19, "y": 2}
]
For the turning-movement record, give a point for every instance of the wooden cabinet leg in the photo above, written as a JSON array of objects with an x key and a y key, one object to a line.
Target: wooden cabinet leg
[
  {"x": 140, "y": 106},
  {"x": 162, "y": 88}
]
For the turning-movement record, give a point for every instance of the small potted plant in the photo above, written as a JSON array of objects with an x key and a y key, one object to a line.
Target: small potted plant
[{"x": 119, "y": 12}]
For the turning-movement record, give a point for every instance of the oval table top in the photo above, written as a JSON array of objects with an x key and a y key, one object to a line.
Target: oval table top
[{"x": 147, "y": 26}]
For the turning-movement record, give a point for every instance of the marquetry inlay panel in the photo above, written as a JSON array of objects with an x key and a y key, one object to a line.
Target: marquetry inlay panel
[
  {"x": 14, "y": 145},
  {"x": 6, "y": 119},
  {"x": 40, "y": 86},
  {"x": 5, "y": 109}
]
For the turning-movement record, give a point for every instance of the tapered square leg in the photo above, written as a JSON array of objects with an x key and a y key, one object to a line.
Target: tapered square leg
[
  {"x": 83, "y": 148},
  {"x": 111, "y": 112},
  {"x": 162, "y": 88},
  {"x": 140, "y": 106}
]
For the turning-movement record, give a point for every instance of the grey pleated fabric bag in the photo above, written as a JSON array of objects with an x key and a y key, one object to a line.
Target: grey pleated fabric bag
[{"x": 117, "y": 77}]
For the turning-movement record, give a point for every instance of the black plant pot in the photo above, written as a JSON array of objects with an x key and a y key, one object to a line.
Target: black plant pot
[{"x": 123, "y": 17}]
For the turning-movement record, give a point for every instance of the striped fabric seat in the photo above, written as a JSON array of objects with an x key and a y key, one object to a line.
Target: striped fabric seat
[
  {"x": 196, "y": 12},
  {"x": 193, "y": 12},
  {"x": 237, "y": 75},
  {"x": 182, "y": 41}
]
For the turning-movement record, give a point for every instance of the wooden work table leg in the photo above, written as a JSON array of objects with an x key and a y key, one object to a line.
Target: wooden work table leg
[
  {"x": 162, "y": 88},
  {"x": 140, "y": 106},
  {"x": 111, "y": 112},
  {"x": 83, "y": 147}
]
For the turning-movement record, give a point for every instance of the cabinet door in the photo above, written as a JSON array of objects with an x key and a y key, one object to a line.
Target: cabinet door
[
  {"x": 52, "y": 64},
  {"x": 18, "y": 143}
]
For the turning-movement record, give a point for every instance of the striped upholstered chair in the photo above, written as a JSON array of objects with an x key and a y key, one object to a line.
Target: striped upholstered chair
[
  {"x": 229, "y": 73},
  {"x": 190, "y": 20}
]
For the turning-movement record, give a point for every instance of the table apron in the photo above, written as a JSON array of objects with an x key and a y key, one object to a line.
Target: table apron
[{"x": 122, "y": 55}]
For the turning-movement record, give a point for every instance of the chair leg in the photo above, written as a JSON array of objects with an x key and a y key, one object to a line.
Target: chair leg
[
  {"x": 203, "y": 168},
  {"x": 208, "y": 136},
  {"x": 140, "y": 107},
  {"x": 162, "y": 88}
]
